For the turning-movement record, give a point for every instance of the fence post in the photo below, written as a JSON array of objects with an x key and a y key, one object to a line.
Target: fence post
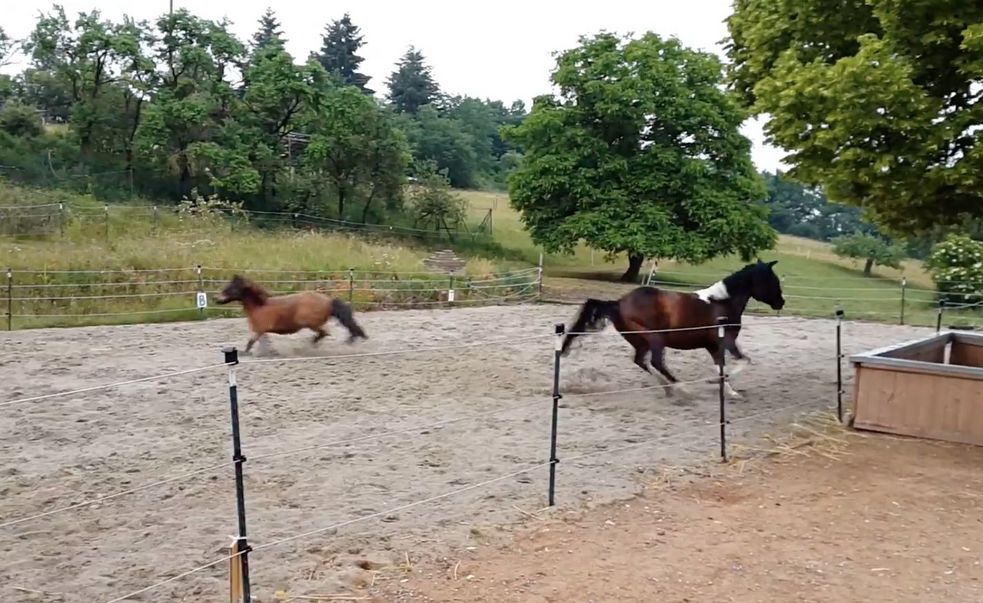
[
  {"x": 201, "y": 293},
  {"x": 61, "y": 219},
  {"x": 450, "y": 290},
  {"x": 231, "y": 355},
  {"x": 904, "y": 287},
  {"x": 938, "y": 320},
  {"x": 351, "y": 284},
  {"x": 107, "y": 221},
  {"x": 540, "y": 271},
  {"x": 839, "y": 364},
  {"x": 558, "y": 345},
  {"x": 721, "y": 321},
  {"x": 156, "y": 220},
  {"x": 10, "y": 299}
]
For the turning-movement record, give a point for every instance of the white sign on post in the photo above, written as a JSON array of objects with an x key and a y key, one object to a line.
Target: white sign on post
[
  {"x": 201, "y": 299},
  {"x": 450, "y": 295}
]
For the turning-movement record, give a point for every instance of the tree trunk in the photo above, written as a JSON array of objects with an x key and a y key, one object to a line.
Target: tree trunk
[
  {"x": 868, "y": 266},
  {"x": 635, "y": 261}
]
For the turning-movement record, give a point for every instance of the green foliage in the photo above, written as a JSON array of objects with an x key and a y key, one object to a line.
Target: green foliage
[
  {"x": 181, "y": 104},
  {"x": 639, "y": 154},
  {"x": 269, "y": 32},
  {"x": 356, "y": 151},
  {"x": 870, "y": 248},
  {"x": 878, "y": 101},
  {"x": 20, "y": 120},
  {"x": 411, "y": 85},
  {"x": 339, "y": 53},
  {"x": 796, "y": 210},
  {"x": 956, "y": 266},
  {"x": 431, "y": 201}
]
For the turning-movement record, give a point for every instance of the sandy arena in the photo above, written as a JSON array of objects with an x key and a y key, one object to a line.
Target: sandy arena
[{"x": 62, "y": 451}]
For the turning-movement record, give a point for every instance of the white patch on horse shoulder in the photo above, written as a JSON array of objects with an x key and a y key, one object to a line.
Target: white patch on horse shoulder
[{"x": 715, "y": 292}]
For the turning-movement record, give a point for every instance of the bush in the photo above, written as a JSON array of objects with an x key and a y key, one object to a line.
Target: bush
[{"x": 956, "y": 265}]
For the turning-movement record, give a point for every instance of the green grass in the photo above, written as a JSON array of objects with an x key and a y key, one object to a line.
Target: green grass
[{"x": 815, "y": 281}]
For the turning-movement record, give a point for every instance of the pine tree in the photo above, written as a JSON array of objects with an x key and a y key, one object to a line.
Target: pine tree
[
  {"x": 412, "y": 85},
  {"x": 269, "y": 31},
  {"x": 339, "y": 53}
]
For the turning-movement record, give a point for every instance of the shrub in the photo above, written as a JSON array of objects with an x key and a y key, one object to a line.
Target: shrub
[{"x": 956, "y": 265}]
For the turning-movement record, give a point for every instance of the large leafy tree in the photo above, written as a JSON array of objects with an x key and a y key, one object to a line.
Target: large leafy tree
[
  {"x": 878, "y": 101},
  {"x": 412, "y": 85},
  {"x": 355, "y": 152},
  {"x": 798, "y": 210},
  {"x": 339, "y": 56},
  {"x": 639, "y": 154}
]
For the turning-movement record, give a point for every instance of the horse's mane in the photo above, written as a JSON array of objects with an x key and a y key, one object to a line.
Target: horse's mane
[
  {"x": 253, "y": 292},
  {"x": 741, "y": 278}
]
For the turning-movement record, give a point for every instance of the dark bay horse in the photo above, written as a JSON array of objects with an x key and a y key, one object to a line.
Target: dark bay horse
[
  {"x": 650, "y": 309},
  {"x": 285, "y": 314}
]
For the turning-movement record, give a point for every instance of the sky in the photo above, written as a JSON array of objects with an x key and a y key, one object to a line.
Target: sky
[{"x": 500, "y": 50}]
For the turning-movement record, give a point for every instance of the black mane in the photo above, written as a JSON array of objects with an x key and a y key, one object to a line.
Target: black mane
[{"x": 740, "y": 282}]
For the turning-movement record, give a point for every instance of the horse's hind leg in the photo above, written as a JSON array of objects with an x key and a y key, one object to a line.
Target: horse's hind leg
[
  {"x": 658, "y": 363},
  {"x": 252, "y": 341},
  {"x": 319, "y": 334},
  {"x": 741, "y": 361}
]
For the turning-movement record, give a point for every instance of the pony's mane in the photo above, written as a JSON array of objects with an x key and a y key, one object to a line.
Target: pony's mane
[{"x": 252, "y": 291}]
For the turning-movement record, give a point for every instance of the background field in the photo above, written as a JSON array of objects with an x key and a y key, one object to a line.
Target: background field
[{"x": 155, "y": 253}]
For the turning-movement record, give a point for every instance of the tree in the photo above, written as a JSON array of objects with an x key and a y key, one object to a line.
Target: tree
[
  {"x": 8, "y": 47},
  {"x": 877, "y": 101},
  {"x": 431, "y": 201},
  {"x": 870, "y": 248},
  {"x": 411, "y": 85},
  {"x": 444, "y": 141},
  {"x": 269, "y": 32},
  {"x": 639, "y": 154},
  {"x": 797, "y": 210},
  {"x": 355, "y": 150},
  {"x": 20, "y": 120},
  {"x": 339, "y": 53}
]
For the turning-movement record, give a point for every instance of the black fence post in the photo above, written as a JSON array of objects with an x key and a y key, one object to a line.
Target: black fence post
[
  {"x": 938, "y": 319},
  {"x": 839, "y": 364},
  {"x": 156, "y": 220},
  {"x": 61, "y": 219},
  {"x": 10, "y": 299},
  {"x": 231, "y": 360},
  {"x": 904, "y": 287},
  {"x": 558, "y": 345},
  {"x": 721, "y": 321},
  {"x": 351, "y": 284}
]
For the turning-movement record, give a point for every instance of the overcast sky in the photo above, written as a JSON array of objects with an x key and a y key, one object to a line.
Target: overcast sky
[{"x": 500, "y": 49}]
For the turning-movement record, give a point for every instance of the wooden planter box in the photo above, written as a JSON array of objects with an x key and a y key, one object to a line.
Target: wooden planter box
[{"x": 929, "y": 388}]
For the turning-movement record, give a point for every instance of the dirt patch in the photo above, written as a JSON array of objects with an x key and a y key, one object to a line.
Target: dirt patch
[
  {"x": 893, "y": 520},
  {"x": 492, "y": 402}
]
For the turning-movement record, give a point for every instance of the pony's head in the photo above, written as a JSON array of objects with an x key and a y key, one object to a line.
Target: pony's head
[
  {"x": 759, "y": 282},
  {"x": 241, "y": 289},
  {"x": 765, "y": 285}
]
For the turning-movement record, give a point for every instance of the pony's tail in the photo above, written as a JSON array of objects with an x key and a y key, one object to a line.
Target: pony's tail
[
  {"x": 593, "y": 316},
  {"x": 343, "y": 312}
]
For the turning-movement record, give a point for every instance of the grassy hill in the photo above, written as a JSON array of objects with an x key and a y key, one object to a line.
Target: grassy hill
[{"x": 132, "y": 239}]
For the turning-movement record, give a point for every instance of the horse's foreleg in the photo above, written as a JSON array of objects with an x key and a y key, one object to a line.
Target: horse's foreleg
[
  {"x": 252, "y": 341},
  {"x": 717, "y": 354},
  {"x": 741, "y": 360}
]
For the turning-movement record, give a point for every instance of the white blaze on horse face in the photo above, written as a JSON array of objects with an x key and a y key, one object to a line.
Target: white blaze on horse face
[{"x": 715, "y": 292}]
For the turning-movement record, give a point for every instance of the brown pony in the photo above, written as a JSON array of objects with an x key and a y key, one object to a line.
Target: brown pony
[
  {"x": 285, "y": 314},
  {"x": 652, "y": 309}
]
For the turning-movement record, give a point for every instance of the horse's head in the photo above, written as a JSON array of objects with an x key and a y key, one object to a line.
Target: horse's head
[
  {"x": 765, "y": 285},
  {"x": 234, "y": 291}
]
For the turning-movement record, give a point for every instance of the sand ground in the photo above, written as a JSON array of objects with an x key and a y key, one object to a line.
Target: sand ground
[
  {"x": 880, "y": 519},
  {"x": 493, "y": 400}
]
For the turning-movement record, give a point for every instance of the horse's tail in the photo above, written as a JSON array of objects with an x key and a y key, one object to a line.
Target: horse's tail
[
  {"x": 594, "y": 313},
  {"x": 343, "y": 312}
]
